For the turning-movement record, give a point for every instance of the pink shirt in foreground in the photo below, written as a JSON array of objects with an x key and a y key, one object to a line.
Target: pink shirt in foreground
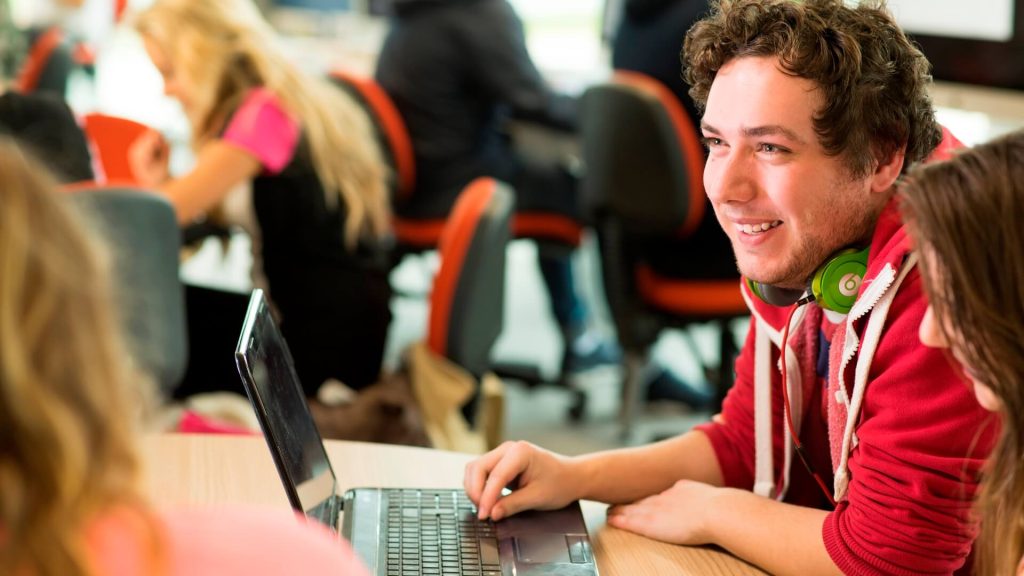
[{"x": 223, "y": 541}]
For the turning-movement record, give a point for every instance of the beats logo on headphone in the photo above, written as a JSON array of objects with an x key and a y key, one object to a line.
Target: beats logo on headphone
[{"x": 833, "y": 286}]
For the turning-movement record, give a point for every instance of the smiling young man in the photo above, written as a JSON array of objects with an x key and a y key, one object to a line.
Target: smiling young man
[{"x": 812, "y": 110}]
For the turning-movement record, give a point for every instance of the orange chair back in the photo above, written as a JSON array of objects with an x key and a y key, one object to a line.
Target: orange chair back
[
  {"x": 111, "y": 137},
  {"x": 685, "y": 131},
  {"x": 644, "y": 159},
  {"x": 391, "y": 125},
  {"x": 417, "y": 233},
  {"x": 467, "y": 300}
]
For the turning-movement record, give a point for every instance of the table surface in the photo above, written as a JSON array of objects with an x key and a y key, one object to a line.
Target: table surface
[{"x": 209, "y": 469}]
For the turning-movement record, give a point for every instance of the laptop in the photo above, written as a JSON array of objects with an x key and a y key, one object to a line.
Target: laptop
[{"x": 396, "y": 531}]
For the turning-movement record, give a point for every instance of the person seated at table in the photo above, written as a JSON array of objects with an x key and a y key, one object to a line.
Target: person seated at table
[
  {"x": 964, "y": 216},
  {"x": 45, "y": 125},
  {"x": 846, "y": 446},
  {"x": 310, "y": 182},
  {"x": 71, "y": 406},
  {"x": 458, "y": 71}
]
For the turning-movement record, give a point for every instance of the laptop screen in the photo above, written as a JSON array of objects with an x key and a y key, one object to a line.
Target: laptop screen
[{"x": 267, "y": 371}]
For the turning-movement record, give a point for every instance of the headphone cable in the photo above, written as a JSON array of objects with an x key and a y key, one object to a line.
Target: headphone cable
[{"x": 787, "y": 409}]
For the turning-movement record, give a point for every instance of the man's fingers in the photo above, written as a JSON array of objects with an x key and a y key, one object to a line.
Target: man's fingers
[
  {"x": 516, "y": 461},
  {"x": 477, "y": 471},
  {"x": 631, "y": 517},
  {"x": 527, "y": 498}
]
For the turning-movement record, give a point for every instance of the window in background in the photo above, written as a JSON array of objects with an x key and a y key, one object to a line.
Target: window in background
[
  {"x": 979, "y": 42},
  {"x": 564, "y": 39}
]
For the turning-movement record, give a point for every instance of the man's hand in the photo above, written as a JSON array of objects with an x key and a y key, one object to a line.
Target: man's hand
[
  {"x": 543, "y": 480},
  {"x": 680, "y": 515}
]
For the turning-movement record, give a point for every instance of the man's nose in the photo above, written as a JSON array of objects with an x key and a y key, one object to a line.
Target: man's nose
[{"x": 729, "y": 178}]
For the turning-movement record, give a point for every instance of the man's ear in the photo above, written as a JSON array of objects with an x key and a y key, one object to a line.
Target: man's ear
[{"x": 888, "y": 170}]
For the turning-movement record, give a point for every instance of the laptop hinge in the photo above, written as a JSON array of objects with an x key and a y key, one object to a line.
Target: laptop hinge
[{"x": 361, "y": 525}]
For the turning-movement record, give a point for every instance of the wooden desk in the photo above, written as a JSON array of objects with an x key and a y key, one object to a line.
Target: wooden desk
[{"x": 191, "y": 469}]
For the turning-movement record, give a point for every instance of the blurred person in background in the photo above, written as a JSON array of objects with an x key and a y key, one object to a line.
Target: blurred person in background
[
  {"x": 293, "y": 161},
  {"x": 71, "y": 407},
  {"x": 458, "y": 72}
]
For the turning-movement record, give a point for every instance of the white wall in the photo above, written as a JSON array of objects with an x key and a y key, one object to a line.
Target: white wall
[{"x": 975, "y": 19}]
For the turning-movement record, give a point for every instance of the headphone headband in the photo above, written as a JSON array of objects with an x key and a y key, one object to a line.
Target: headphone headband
[{"x": 834, "y": 285}]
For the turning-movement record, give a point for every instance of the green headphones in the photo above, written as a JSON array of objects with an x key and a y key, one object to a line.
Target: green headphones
[{"x": 834, "y": 284}]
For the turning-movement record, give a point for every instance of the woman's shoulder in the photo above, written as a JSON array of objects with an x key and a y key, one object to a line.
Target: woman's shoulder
[
  {"x": 250, "y": 540},
  {"x": 262, "y": 126}
]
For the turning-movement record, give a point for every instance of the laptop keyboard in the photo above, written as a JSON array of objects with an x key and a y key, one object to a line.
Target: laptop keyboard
[{"x": 437, "y": 533}]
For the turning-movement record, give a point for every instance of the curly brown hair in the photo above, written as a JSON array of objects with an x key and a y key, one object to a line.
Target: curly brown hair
[{"x": 873, "y": 79}]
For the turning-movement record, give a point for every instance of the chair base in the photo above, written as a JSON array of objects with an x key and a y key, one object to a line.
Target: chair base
[{"x": 635, "y": 360}]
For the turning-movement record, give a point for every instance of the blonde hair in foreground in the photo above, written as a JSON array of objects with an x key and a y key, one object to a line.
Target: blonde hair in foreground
[
  {"x": 67, "y": 405},
  {"x": 968, "y": 213},
  {"x": 224, "y": 48}
]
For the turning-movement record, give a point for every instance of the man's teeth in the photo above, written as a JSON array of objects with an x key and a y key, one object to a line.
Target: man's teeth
[{"x": 757, "y": 228}]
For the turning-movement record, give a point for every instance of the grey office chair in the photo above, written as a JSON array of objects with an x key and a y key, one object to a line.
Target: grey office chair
[
  {"x": 468, "y": 295},
  {"x": 644, "y": 186},
  {"x": 145, "y": 240},
  {"x": 467, "y": 302}
]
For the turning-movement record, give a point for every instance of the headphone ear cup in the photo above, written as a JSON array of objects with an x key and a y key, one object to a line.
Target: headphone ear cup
[
  {"x": 836, "y": 284},
  {"x": 773, "y": 294}
]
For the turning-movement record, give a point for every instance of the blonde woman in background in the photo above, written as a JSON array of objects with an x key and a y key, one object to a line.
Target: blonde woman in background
[
  {"x": 71, "y": 502},
  {"x": 318, "y": 211},
  {"x": 965, "y": 216}
]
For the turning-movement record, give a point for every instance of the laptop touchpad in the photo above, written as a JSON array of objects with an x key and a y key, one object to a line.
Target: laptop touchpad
[{"x": 542, "y": 548}]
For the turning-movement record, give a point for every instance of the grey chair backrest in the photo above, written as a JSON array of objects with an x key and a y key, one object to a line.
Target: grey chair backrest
[
  {"x": 467, "y": 302},
  {"x": 145, "y": 240},
  {"x": 644, "y": 162}
]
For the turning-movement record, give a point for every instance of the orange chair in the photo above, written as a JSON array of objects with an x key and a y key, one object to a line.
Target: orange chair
[
  {"x": 468, "y": 296},
  {"x": 644, "y": 167},
  {"x": 417, "y": 234},
  {"x": 111, "y": 137},
  {"x": 467, "y": 301},
  {"x": 48, "y": 64}
]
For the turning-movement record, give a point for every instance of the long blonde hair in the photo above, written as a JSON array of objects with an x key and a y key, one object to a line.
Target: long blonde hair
[
  {"x": 68, "y": 400},
  {"x": 225, "y": 48},
  {"x": 968, "y": 212}
]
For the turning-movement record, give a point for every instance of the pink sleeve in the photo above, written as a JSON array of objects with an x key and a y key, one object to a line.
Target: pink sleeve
[{"x": 264, "y": 129}]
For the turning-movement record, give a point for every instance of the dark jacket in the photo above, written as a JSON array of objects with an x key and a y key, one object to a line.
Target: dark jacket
[
  {"x": 43, "y": 124},
  {"x": 457, "y": 70},
  {"x": 650, "y": 38}
]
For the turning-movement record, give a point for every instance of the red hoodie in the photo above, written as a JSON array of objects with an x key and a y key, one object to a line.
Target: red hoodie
[{"x": 906, "y": 468}]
